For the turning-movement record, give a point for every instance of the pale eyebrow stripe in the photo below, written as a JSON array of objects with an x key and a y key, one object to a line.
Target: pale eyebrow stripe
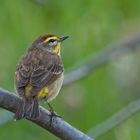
[{"x": 50, "y": 38}]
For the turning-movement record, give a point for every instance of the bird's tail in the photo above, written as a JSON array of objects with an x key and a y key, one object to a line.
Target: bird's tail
[{"x": 28, "y": 109}]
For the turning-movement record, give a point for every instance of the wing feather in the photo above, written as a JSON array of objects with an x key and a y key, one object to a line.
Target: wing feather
[
  {"x": 48, "y": 76},
  {"x": 38, "y": 74}
]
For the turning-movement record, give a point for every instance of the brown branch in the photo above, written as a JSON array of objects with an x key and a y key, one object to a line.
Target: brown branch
[
  {"x": 110, "y": 52},
  {"x": 58, "y": 127}
]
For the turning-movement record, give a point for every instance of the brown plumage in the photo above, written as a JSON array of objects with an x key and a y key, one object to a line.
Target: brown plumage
[{"x": 39, "y": 74}]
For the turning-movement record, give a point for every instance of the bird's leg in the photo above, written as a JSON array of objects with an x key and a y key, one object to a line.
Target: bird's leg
[{"x": 53, "y": 113}]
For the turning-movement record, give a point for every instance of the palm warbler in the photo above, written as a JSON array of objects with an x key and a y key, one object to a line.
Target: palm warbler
[{"x": 39, "y": 75}]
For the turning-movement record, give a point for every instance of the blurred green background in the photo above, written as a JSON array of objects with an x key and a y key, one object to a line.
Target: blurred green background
[{"x": 91, "y": 25}]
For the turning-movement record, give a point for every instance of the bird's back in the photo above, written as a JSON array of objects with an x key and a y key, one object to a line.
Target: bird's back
[{"x": 36, "y": 70}]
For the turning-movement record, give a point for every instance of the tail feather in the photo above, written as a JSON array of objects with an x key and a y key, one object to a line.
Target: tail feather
[{"x": 28, "y": 109}]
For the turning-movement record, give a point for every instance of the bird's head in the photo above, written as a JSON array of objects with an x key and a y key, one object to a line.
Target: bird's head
[{"x": 49, "y": 43}]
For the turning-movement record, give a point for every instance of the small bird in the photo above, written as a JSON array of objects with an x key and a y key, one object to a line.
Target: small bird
[{"x": 39, "y": 75}]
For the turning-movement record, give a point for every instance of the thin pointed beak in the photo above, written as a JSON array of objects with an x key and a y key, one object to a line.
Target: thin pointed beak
[{"x": 63, "y": 38}]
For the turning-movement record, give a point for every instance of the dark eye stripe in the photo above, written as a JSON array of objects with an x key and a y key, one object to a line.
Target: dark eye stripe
[{"x": 51, "y": 40}]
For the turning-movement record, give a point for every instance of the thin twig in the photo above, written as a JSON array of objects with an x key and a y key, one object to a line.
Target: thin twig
[
  {"x": 110, "y": 52},
  {"x": 115, "y": 120},
  {"x": 58, "y": 127}
]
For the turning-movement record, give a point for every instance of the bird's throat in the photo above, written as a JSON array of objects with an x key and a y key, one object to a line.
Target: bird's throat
[{"x": 57, "y": 49}]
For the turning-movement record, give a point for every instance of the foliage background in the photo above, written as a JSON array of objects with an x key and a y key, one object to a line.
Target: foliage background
[{"x": 91, "y": 25}]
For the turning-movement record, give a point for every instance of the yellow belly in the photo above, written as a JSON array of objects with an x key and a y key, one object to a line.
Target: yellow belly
[{"x": 43, "y": 93}]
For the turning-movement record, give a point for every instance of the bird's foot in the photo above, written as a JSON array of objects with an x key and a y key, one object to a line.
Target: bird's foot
[{"x": 52, "y": 114}]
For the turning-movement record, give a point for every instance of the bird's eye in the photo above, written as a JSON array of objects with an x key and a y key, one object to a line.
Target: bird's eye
[{"x": 52, "y": 42}]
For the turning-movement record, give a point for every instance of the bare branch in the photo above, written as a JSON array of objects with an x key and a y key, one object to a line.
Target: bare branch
[
  {"x": 58, "y": 127},
  {"x": 116, "y": 119},
  {"x": 110, "y": 52}
]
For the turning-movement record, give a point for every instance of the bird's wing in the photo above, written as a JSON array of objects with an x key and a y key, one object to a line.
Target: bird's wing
[
  {"x": 37, "y": 75},
  {"x": 44, "y": 76},
  {"x": 22, "y": 77}
]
